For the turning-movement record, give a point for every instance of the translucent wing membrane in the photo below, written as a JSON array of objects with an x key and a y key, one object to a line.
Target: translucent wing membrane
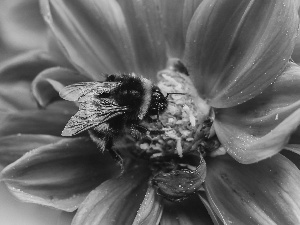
[
  {"x": 92, "y": 114},
  {"x": 83, "y": 91}
]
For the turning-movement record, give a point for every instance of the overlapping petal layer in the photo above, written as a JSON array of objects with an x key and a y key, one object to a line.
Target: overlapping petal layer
[
  {"x": 91, "y": 43},
  {"x": 216, "y": 220},
  {"x": 292, "y": 152},
  {"x": 296, "y": 52},
  {"x": 178, "y": 184},
  {"x": 42, "y": 85},
  {"x": 172, "y": 25},
  {"x": 12, "y": 211},
  {"x": 15, "y": 97},
  {"x": 175, "y": 25},
  {"x": 65, "y": 218},
  {"x": 25, "y": 67},
  {"x": 115, "y": 201},
  {"x": 55, "y": 49},
  {"x": 59, "y": 174},
  {"x": 262, "y": 193},
  {"x": 189, "y": 9},
  {"x": 235, "y": 49},
  {"x": 151, "y": 208},
  {"x": 115, "y": 41},
  {"x": 50, "y": 122},
  {"x": 144, "y": 24},
  {"x": 13, "y": 147},
  {"x": 16, "y": 76},
  {"x": 261, "y": 127},
  {"x": 187, "y": 212}
]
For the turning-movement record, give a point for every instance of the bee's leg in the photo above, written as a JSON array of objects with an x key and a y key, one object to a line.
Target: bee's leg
[
  {"x": 160, "y": 121},
  {"x": 156, "y": 120},
  {"x": 108, "y": 140},
  {"x": 103, "y": 137},
  {"x": 99, "y": 138},
  {"x": 115, "y": 155},
  {"x": 157, "y": 132},
  {"x": 138, "y": 131}
]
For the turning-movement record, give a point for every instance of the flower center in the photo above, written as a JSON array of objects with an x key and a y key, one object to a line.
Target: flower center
[
  {"x": 177, "y": 143},
  {"x": 184, "y": 126}
]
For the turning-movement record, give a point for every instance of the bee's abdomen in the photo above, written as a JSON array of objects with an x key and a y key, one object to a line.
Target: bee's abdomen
[{"x": 102, "y": 136}]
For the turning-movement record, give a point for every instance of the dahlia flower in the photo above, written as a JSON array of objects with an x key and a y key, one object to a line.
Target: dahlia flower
[{"x": 217, "y": 159}]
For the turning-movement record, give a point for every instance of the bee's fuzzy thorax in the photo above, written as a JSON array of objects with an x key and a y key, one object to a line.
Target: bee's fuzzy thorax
[{"x": 131, "y": 93}]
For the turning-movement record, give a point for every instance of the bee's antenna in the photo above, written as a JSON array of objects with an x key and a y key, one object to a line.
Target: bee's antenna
[{"x": 174, "y": 94}]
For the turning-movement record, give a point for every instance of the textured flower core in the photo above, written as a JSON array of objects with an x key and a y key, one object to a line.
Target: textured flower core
[
  {"x": 176, "y": 145},
  {"x": 181, "y": 126}
]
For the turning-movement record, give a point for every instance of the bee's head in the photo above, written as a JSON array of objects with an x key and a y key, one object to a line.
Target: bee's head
[{"x": 158, "y": 103}]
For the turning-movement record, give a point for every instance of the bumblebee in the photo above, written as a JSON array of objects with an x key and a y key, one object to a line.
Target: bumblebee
[{"x": 107, "y": 108}]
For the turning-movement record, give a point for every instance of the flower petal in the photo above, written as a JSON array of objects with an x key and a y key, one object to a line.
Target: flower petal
[
  {"x": 172, "y": 24},
  {"x": 188, "y": 212},
  {"x": 13, "y": 212},
  {"x": 179, "y": 184},
  {"x": 144, "y": 24},
  {"x": 14, "y": 147},
  {"x": 25, "y": 67},
  {"x": 16, "y": 75},
  {"x": 42, "y": 88},
  {"x": 22, "y": 26},
  {"x": 235, "y": 48},
  {"x": 65, "y": 218},
  {"x": 93, "y": 33},
  {"x": 175, "y": 25},
  {"x": 292, "y": 152},
  {"x": 267, "y": 192},
  {"x": 210, "y": 210},
  {"x": 50, "y": 122},
  {"x": 150, "y": 210},
  {"x": 59, "y": 175},
  {"x": 55, "y": 49},
  {"x": 296, "y": 51},
  {"x": 260, "y": 128},
  {"x": 295, "y": 137},
  {"x": 116, "y": 201},
  {"x": 189, "y": 9},
  {"x": 15, "y": 97}
]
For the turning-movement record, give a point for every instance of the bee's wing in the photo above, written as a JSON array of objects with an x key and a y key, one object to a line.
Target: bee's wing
[
  {"x": 91, "y": 114},
  {"x": 78, "y": 91}
]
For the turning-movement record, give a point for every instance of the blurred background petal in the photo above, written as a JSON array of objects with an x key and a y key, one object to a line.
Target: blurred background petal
[
  {"x": 21, "y": 26},
  {"x": 15, "y": 212}
]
